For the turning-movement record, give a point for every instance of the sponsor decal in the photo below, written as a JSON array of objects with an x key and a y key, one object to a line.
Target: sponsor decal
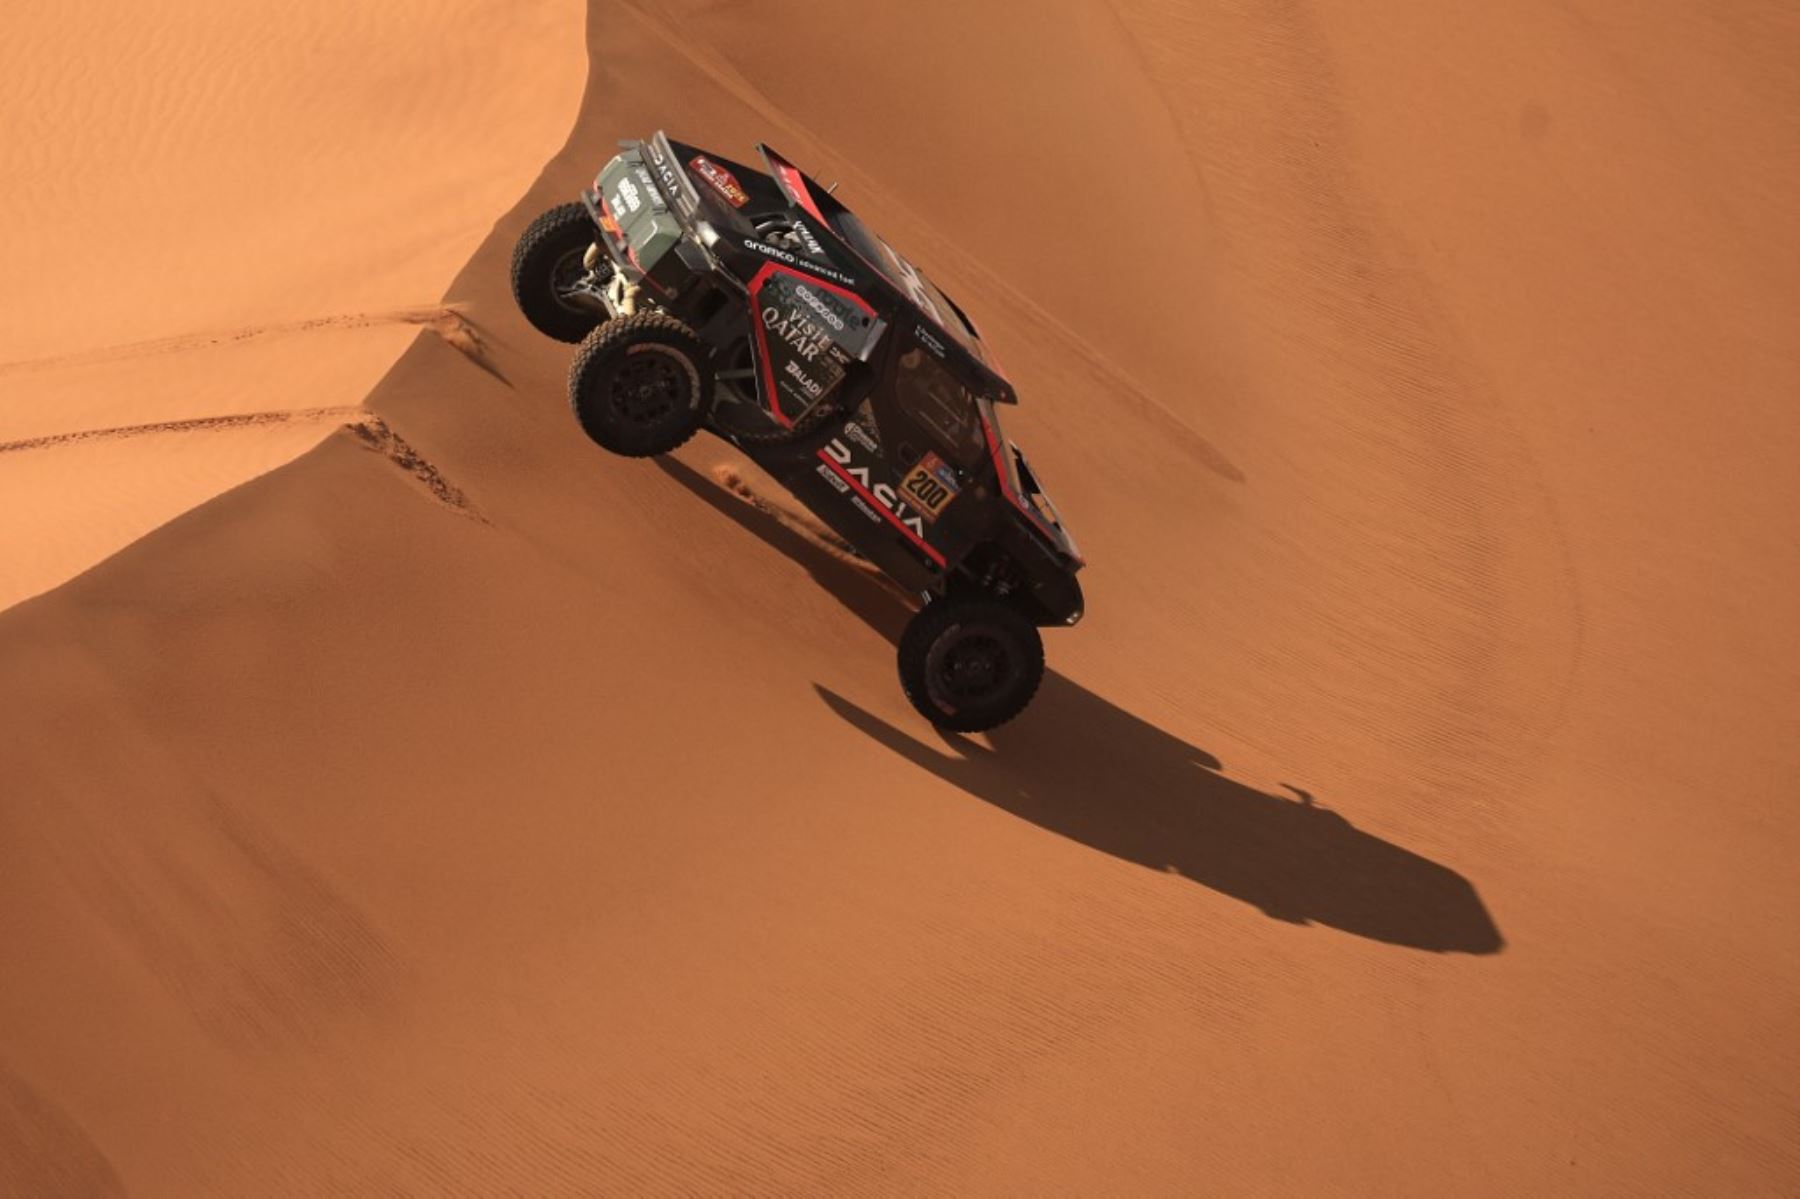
[
  {"x": 794, "y": 260},
  {"x": 796, "y": 331},
  {"x": 815, "y": 358},
  {"x": 929, "y": 341},
  {"x": 930, "y": 485},
  {"x": 832, "y": 477},
  {"x": 857, "y": 431},
  {"x": 825, "y": 311},
  {"x": 884, "y": 495},
  {"x": 803, "y": 359},
  {"x": 673, "y": 184},
  {"x": 722, "y": 180},
  {"x": 807, "y": 239},
  {"x": 804, "y": 386},
  {"x": 627, "y": 195},
  {"x": 812, "y": 388}
]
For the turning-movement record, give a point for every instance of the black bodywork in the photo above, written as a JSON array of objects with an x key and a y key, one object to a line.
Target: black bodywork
[{"x": 843, "y": 373}]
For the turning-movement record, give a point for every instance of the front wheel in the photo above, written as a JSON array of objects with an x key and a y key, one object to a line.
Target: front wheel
[
  {"x": 969, "y": 665},
  {"x": 550, "y": 280},
  {"x": 641, "y": 385}
]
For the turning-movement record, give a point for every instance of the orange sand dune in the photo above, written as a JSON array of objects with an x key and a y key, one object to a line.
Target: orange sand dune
[
  {"x": 235, "y": 209},
  {"x": 456, "y": 809}
]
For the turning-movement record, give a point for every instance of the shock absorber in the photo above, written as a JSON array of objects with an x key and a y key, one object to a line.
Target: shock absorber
[{"x": 621, "y": 296}]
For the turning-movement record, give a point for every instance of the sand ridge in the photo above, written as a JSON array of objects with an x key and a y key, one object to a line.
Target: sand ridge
[{"x": 218, "y": 213}]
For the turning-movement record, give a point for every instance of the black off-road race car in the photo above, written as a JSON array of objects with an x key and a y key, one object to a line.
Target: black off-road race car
[{"x": 707, "y": 294}]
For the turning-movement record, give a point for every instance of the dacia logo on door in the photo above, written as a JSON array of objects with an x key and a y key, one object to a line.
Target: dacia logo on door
[{"x": 884, "y": 494}]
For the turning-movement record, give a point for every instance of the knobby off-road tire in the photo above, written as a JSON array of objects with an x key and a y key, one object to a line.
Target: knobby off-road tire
[
  {"x": 969, "y": 665},
  {"x": 546, "y": 260},
  {"x": 641, "y": 385}
]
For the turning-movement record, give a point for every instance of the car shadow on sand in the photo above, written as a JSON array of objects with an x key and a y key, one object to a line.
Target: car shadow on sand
[{"x": 1084, "y": 768}]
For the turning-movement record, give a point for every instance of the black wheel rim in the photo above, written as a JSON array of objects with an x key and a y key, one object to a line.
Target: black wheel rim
[
  {"x": 969, "y": 666},
  {"x": 648, "y": 387}
]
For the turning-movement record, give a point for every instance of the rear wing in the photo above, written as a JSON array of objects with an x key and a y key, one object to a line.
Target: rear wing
[{"x": 793, "y": 183}]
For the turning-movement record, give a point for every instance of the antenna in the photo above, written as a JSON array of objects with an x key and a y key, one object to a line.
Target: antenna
[{"x": 832, "y": 188}]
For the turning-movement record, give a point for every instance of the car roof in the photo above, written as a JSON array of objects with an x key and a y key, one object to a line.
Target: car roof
[{"x": 924, "y": 298}]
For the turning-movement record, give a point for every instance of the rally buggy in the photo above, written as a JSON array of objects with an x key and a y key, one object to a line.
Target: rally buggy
[{"x": 707, "y": 294}]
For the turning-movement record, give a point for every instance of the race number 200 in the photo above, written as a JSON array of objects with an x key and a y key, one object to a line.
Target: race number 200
[{"x": 926, "y": 486}]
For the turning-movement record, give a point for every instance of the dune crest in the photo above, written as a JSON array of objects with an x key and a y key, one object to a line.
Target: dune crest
[{"x": 222, "y": 213}]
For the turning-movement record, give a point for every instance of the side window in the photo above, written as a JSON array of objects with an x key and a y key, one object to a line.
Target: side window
[{"x": 937, "y": 401}]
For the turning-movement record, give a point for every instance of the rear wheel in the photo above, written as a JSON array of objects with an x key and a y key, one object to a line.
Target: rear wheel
[
  {"x": 641, "y": 385},
  {"x": 969, "y": 665},
  {"x": 549, "y": 279}
]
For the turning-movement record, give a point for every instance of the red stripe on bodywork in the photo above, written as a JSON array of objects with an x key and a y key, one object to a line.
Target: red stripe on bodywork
[
  {"x": 762, "y": 345},
  {"x": 828, "y": 285},
  {"x": 762, "y": 342},
  {"x": 882, "y": 508},
  {"x": 771, "y": 268},
  {"x": 796, "y": 185}
]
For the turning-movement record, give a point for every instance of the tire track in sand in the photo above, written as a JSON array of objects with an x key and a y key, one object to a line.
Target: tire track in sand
[
  {"x": 455, "y": 329},
  {"x": 342, "y": 414},
  {"x": 372, "y": 430}
]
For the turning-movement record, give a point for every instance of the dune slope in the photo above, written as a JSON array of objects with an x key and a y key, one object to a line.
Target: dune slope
[
  {"x": 456, "y": 809},
  {"x": 234, "y": 212}
]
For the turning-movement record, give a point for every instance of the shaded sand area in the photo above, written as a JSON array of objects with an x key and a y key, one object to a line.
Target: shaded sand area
[
  {"x": 458, "y": 810},
  {"x": 235, "y": 210}
]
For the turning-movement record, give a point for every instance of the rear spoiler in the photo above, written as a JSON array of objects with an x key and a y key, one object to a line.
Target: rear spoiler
[{"x": 792, "y": 181}]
